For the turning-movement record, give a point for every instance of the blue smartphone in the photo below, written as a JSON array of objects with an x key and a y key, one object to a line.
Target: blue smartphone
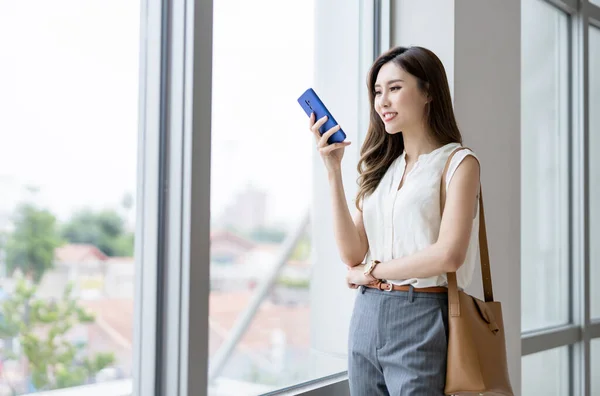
[{"x": 311, "y": 103}]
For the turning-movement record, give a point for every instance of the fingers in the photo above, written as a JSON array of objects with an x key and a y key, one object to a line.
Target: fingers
[
  {"x": 349, "y": 282},
  {"x": 311, "y": 120},
  {"x": 323, "y": 139},
  {"x": 322, "y": 145},
  {"x": 314, "y": 126},
  {"x": 332, "y": 147}
]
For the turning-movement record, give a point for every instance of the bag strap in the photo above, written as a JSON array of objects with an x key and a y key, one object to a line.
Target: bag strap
[{"x": 486, "y": 276}]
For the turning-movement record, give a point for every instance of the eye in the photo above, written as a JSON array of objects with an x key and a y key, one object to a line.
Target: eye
[
  {"x": 395, "y": 88},
  {"x": 377, "y": 93}
]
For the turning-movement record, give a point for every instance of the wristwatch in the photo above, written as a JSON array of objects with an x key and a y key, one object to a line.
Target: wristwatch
[{"x": 369, "y": 267}]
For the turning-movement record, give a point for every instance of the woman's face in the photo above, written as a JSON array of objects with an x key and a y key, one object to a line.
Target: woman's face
[{"x": 398, "y": 99}]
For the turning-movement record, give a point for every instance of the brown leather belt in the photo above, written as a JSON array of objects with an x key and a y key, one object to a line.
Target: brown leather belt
[{"x": 391, "y": 287}]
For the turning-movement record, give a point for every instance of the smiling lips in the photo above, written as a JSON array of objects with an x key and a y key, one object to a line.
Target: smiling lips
[{"x": 389, "y": 116}]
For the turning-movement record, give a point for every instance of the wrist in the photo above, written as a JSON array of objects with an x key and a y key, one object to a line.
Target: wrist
[
  {"x": 334, "y": 173},
  {"x": 375, "y": 273},
  {"x": 369, "y": 268}
]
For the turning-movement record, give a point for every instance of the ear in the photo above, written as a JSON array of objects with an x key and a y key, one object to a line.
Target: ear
[{"x": 428, "y": 97}]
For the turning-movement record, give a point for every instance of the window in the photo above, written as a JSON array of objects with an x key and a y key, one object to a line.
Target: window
[
  {"x": 546, "y": 373},
  {"x": 544, "y": 167},
  {"x": 68, "y": 161},
  {"x": 263, "y": 335},
  {"x": 260, "y": 187},
  {"x": 595, "y": 365},
  {"x": 594, "y": 170},
  {"x": 74, "y": 93},
  {"x": 556, "y": 323}
]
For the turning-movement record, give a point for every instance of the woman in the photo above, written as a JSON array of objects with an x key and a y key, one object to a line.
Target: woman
[{"x": 399, "y": 247}]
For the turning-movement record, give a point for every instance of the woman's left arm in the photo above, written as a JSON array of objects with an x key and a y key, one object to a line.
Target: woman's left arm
[{"x": 448, "y": 253}]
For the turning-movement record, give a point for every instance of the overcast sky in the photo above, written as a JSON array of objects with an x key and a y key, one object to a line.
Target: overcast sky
[{"x": 69, "y": 101}]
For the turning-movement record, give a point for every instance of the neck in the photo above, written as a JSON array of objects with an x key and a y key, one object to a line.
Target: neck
[{"x": 417, "y": 142}]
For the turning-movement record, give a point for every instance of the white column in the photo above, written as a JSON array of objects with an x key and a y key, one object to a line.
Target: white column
[
  {"x": 479, "y": 44},
  {"x": 487, "y": 87}
]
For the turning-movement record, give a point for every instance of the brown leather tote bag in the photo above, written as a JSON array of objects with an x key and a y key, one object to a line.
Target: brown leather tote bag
[{"x": 477, "y": 362}]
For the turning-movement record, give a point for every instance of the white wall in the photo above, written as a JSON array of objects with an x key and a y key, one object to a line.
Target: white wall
[
  {"x": 413, "y": 23},
  {"x": 479, "y": 43},
  {"x": 487, "y": 69}
]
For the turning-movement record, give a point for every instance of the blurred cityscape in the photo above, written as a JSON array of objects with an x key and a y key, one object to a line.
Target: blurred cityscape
[{"x": 92, "y": 257}]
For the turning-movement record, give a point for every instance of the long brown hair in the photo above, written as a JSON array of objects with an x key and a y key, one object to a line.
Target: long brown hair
[{"x": 380, "y": 149}]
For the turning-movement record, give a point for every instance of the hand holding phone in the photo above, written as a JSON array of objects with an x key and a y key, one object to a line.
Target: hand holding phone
[
  {"x": 328, "y": 134},
  {"x": 311, "y": 103}
]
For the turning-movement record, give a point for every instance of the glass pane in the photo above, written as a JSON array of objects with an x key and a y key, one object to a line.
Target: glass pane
[
  {"x": 544, "y": 166},
  {"x": 260, "y": 185},
  {"x": 595, "y": 366},
  {"x": 596, "y": 2},
  {"x": 594, "y": 175},
  {"x": 68, "y": 127},
  {"x": 546, "y": 373}
]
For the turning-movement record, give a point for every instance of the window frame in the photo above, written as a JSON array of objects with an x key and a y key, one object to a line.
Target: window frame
[
  {"x": 581, "y": 330},
  {"x": 174, "y": 122},
  {"x": 173, "y": 202}
]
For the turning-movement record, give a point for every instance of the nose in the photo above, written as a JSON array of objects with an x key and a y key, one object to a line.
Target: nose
[{"x": 384, "y": 101}]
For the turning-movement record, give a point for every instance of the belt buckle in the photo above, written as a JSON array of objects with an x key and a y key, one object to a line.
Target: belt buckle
[{"x": 390, "y": 288}]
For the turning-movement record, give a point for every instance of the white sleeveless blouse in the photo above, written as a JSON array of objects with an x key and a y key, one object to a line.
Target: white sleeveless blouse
[{"x": 402, "y": 222}]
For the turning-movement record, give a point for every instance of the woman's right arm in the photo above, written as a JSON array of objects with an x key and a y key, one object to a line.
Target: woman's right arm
[{"x": 350, "y": 234}]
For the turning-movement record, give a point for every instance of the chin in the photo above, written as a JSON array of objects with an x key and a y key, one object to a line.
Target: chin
[{"x": 393, "y": 129}]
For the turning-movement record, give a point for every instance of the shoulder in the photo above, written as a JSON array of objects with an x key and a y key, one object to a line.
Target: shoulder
[
  {"x": 469, "y": 165},
  {"x": 465, "y": 163},
  {"x": 460, "y": 155}
]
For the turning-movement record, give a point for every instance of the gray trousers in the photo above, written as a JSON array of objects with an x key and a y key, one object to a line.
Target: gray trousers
[{"x": 398, "y": 343}]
